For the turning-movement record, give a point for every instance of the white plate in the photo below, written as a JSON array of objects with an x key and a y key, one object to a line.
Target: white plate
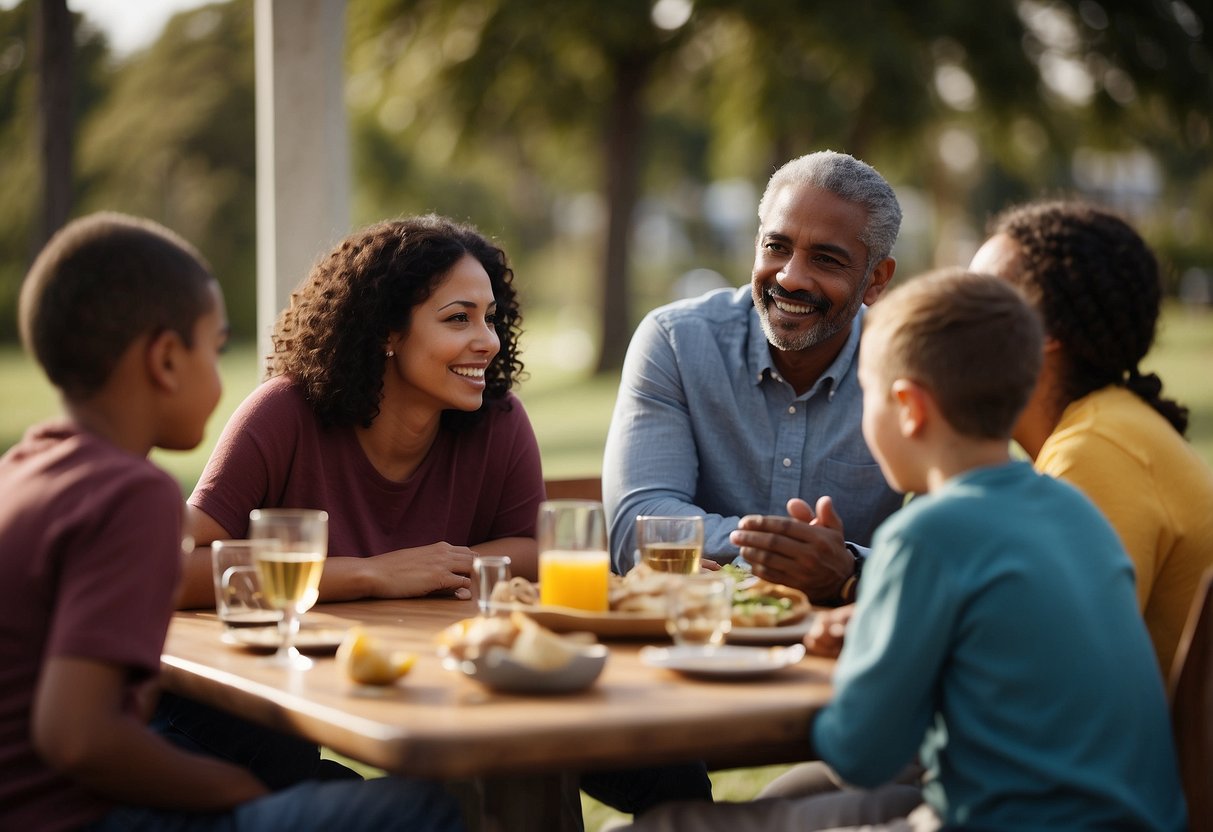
[
  {"x": 787, "y": 634},
  {"x": 727, "y": 662},
  {"x": 497, "y": 670}
]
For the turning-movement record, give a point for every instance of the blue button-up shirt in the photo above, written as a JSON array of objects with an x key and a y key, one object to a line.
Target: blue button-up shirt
[{"x": 705, "y": 424}]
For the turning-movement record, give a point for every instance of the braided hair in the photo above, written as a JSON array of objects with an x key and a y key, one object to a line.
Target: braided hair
[
  {"x": 330, "y": 339},
  {"x": 1096, "y": 285}
]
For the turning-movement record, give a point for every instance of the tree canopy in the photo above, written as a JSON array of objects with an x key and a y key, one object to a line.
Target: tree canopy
[{"x": 613, "y": 147}]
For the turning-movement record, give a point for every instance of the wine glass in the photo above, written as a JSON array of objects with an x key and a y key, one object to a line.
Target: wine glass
[{"x": 289, "y": 550}]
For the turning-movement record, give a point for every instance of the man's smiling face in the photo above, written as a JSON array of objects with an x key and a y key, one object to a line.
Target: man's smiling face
[{"x": 811, "y": 270}]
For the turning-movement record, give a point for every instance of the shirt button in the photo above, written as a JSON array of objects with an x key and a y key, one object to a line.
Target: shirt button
[
  {"x": 787, "y": 463},
  {"x": 791, "y": 408}
]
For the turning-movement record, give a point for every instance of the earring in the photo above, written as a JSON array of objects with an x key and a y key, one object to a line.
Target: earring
[{"x": 391, "y": 353}]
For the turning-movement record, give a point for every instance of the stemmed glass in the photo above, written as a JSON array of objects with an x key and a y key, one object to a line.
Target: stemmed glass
[{"x": 289, "y": 550}]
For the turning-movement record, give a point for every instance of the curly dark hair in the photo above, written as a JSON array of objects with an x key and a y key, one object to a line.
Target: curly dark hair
[
  {"x": 1096, "y": 285},
  {"x": 331, "y": 337}
]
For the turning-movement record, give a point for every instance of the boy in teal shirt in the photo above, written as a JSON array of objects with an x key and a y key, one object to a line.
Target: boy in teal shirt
[{"x": 996, "y": 631}]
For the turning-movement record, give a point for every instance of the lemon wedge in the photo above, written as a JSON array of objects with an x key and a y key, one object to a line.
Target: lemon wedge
[{"x": 367, "y": 662}]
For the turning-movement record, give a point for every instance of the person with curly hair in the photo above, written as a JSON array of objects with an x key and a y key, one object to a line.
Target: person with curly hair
[
  {"x": 388, "y": 405},
  {"x": 1095, "y": 418}
]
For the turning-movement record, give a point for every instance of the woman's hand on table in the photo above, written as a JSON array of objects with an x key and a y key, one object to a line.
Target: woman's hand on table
[
  {"x": 424, "y": 570},
  {"x": 403, "y": 573},
  {"x": 828, "y": 631}
]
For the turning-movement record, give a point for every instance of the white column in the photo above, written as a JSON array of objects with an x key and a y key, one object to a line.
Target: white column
[{"x": 303, "y": 167}]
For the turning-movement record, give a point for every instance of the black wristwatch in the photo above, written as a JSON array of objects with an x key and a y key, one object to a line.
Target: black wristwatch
[{"x": 851, "y": 585}]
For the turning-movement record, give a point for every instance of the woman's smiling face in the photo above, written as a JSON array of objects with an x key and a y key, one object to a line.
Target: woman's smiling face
[{"x": 441, "y": 359}]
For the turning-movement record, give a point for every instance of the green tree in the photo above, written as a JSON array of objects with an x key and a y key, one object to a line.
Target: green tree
[
  {"x": 174, "y": 141},
  {"x": 977, "y": 106},
  {"x": 960, "y": 100},
  {"x": 18, "y": 148},
  {"x": 27, "y": 167},
  {"x": 165, "y": 133},
  {"x": 571, "y": 69},
  {"x": 56, "y": 83}
]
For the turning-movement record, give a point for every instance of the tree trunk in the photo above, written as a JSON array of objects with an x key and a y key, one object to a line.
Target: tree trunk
[
  {"x": 55, "y": 84},
  {"x": 624, "y": 134}
]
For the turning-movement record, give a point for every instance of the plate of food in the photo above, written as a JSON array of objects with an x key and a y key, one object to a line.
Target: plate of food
[
  {"x": 769, "y": 613},
  {"x": 728, "y": 661},
  {"x": 620, "y": 621},
  {"x": 601, "y": 624},
  {"x": 515, "y": 654},
  {"x": 763, "y": 612},
  {"x": 318, "y": 633}
]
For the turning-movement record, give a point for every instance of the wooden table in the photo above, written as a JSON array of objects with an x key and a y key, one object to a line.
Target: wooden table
[{"x": 522, "y": 751}]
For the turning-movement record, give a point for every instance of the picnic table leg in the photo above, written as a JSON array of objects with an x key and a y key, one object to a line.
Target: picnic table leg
[{"x": 522, "y": 803}]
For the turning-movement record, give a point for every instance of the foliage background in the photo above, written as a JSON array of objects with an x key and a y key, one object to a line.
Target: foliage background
[
  {"x": 617, "y": 152},
  {"x": 612, "y": 152}
]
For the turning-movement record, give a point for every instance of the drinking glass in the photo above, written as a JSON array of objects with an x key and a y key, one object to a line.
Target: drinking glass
[
  {"x": 700, "y": 609},
  {"x": 490, "y": 571},
  {"x": 239, "y": 601},
  {"x": 670, "y": 544},
  {"x": 289, "y": 549},
  {"x": 573, "y": 562}
]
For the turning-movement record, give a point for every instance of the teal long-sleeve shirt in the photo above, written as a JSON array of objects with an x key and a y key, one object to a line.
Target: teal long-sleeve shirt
[{"x": 997, "y": 634}]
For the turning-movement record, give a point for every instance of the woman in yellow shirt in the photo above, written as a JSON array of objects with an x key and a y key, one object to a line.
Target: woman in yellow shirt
[{"x": 1094, "y": 419}]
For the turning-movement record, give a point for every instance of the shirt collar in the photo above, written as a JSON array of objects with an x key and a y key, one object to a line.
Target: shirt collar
[{"x": 761, "y": 365}]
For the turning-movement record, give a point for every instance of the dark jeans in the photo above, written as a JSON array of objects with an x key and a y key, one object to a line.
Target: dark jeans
[
  {"x": 279, "y": 760},
  {"x": 636, "y": 790},
  {"x": 347, "y": 806}
]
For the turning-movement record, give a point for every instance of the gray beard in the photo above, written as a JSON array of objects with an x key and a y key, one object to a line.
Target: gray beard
[{"x": 797, "y": 340}]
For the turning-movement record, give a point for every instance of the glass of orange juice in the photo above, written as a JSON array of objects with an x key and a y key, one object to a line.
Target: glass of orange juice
[{"x": 573, "y": 560}]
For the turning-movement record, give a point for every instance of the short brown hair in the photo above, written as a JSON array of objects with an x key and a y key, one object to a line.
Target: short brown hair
[
  {"x": 971, "y": 339},
  {"x": 101, "y": 282}
]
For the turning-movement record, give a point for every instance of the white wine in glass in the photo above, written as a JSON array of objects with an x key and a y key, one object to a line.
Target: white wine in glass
[
  {"x": 290, "y": 548},
  {"x": 670, "y": 544}
]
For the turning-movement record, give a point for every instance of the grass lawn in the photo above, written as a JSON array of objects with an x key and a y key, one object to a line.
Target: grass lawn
[{"x": 571, "y": 412}]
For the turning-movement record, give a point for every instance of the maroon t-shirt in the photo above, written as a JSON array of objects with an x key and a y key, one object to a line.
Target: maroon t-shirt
[
  {"x": 482, "y": 483},
  {"x": 90, "y": 556}
]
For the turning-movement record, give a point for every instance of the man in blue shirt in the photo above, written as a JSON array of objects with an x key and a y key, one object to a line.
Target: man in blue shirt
[
  {"x": 996, "y": 633},
  {"x": 743, "y": 402}
]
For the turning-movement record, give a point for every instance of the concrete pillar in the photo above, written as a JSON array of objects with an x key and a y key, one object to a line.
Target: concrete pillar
[{"x": 303, "y": 166}]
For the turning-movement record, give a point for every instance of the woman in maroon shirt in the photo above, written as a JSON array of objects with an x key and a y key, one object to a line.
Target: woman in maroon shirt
[{"x": 389, "y": 406}]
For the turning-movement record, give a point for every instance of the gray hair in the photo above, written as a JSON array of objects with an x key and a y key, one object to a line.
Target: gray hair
[{"x": 852, "y": 180}]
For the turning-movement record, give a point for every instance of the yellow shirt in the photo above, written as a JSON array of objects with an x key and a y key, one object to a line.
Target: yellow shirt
[{"x": 1153, "y": 488}]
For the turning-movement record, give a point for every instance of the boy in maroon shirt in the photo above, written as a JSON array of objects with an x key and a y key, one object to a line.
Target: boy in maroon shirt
[{"x": 128, "y": 323}]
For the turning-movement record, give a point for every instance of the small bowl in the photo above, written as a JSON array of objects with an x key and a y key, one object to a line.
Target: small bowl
[{"x": 497, "y": 670}]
